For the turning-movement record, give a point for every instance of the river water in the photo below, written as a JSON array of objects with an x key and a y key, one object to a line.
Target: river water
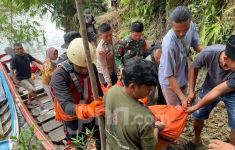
[{"x": 53, "y": 36}]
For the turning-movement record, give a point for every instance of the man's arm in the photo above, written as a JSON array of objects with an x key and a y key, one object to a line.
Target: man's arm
[
  {"x": 192, "y": 77},
  {"x": 101, "y": 57},
  {"x": 38, "y": 61},
  {"x": 118, "y": 53},
  {"x": 176, "y": 89},
  {"x": 209, "y": 97},
  {"x": 40, "y": 66},
  {"x": 14, "y": 76},
  {"x": 198, "y": 48}
]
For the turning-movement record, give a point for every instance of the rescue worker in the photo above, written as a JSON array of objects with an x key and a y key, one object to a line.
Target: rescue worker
[
  {"x": 131, "y": 46},
  {"x": 74, "y": 103}
]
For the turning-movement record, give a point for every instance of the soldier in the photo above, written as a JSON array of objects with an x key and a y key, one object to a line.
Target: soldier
[{"x": 131, "y": 46}]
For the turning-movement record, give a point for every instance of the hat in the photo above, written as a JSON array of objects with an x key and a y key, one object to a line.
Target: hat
[
  {"x": 230, "y": 47},
  {"x": 76, "y": 53},
  {"x": 68, "y": 37}
]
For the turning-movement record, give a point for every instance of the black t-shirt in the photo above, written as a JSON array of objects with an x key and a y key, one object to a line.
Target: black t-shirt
[{"x": 21, "y": 63}]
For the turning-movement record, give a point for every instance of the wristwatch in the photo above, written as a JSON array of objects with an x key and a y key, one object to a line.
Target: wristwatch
[{"x": 158, "y": 127}]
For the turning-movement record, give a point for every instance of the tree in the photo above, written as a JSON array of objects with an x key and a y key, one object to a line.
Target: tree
[{"x": 63, "y": 13}]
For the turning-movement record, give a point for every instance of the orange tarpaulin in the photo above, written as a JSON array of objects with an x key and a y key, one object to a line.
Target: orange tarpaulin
[{"x": 174, "y": 118}]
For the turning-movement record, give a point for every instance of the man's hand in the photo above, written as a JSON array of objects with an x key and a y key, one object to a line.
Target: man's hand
[
  {"x": 190, "y": 110},
  {"x": 102, "y": 53},
  {"x": 160, "y": 125},
  {"x": 191, "y": 97},
  {"x": 109, "y": 85},
  {"x": 184, "y": 101},
  {"x": 110, "y": 54},
  {"x": 184, "y": 104},
  {"x": 16, "y": 81},
  {"x": 219, "y": 145}
]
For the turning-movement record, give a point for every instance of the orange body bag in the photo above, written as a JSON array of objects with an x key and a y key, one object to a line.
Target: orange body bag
[{"x": 174, "y": 118}]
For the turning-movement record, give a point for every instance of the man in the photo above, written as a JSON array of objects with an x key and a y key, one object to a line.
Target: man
[
  {"x": 173, "y": 68},
  {"x": 105, "y": 57},
  {"x": 21, "y": 73},
  {"x": 74, "y": 103},
  {"x": 219, "y": 85},
  {"x": 68, "y": 37},
  {"x": 131, "y": 46},
  {"x": 90, "y": 26},
  {"x": 128, "y": 123},
  {"x": 154, "y": 56}
]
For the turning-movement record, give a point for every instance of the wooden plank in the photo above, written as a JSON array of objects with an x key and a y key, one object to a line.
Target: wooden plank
[
  {"x": 4, "y": 109},
  {"x": 6, "y": 117},
  {"x": 57, "y": 135},
  {"x": 7, "y": 128},
  {"x": 45, "y": 100},
  {"x": 1, "y": 129},
  {"x": 47, "y": 116},
  {"x": 42, "y": 99},
  {"x": 51, "y": 125},
  {"x": 2, "y": 103},
  {"x": 37, "y": 111},
  {"x": 39, "y": 91}
]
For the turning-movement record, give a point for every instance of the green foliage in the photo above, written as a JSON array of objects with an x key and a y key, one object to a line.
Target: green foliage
[
  {"x": 24, "y": 29},
  {"x": 26, "y": 139},
  {"x": 81, "y": 141},
  {"x": 148, "y": 11},
  {"x": 214, "y": 23},
  {"x": 144, "y": 10}
]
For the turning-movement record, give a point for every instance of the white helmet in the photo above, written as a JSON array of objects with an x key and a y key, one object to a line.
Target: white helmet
[{"x": 76, "y": 52}]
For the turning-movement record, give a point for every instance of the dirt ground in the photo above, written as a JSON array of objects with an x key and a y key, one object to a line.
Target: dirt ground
[{"x": 215, "y": 127}]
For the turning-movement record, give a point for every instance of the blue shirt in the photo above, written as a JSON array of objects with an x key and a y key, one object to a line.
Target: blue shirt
[{"x": 175, "y": 51}]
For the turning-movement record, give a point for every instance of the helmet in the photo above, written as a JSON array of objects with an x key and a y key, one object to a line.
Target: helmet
[{"x": 76, "y": 52}]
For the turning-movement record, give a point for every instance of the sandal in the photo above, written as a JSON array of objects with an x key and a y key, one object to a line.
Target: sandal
[{"x": 190, "y": 146}]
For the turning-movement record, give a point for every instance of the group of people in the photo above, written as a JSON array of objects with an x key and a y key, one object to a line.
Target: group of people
[{"x": 162, "y": 69}]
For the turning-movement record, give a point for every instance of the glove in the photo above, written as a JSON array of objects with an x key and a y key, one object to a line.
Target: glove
[{"x": 94, "y": 109}]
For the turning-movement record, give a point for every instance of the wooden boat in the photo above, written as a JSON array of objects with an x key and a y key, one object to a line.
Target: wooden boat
[
  {"x": 47, "y": 130},
  {"x": 8, "y": 117}
]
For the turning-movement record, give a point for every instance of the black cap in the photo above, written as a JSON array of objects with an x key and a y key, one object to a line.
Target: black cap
[
  {"x": 230, "y": 47},
  {"x": 68, "y": 37}
]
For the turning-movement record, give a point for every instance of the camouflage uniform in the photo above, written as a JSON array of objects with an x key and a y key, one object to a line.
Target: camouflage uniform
[{"x": 128, "y": 48}]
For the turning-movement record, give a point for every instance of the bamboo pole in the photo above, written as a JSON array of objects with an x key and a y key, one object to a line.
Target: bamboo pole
[{"x": 90, "y": 67}]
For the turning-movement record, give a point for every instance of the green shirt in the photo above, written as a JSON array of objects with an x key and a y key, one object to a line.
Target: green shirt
[
  {"x": 128, "y": 123},
  {"x": 128, "y": 48}
]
